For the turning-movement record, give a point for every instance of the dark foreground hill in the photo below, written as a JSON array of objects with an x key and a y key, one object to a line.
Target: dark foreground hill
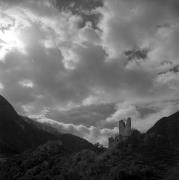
[
  {"x": 149, "y": 156},
  {"x": 18, "y": 134},
  {"x": 167, "y": 127},
  {"x": 139, "y": 158}
]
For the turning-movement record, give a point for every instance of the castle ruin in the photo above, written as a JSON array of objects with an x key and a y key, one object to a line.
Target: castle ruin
[{"x": 124, "y": 132}]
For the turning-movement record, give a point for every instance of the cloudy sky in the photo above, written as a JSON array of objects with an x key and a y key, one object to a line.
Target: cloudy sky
[{"x": 82, "y": 65}]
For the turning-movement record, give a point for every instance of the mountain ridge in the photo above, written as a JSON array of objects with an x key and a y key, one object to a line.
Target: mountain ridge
[
  {"x": 18, "y": 134},
  {"x": 167, "y": 127},
  {"x": 153, "y": 155}
]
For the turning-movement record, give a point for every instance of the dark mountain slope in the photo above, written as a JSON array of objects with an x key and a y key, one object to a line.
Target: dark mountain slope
[
  {"x": 167, "y": 127},
  {"x": 18, "y": 134},
  {"x": 149, "y": 156}
]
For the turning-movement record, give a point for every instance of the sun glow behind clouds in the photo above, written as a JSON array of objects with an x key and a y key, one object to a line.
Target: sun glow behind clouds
[{"x": 10, "y": 40}]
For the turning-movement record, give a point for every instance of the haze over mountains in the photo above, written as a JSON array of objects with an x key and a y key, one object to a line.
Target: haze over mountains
[
  {"x": 43, "y": 152},
  {"x": 62, "y": 54},
  {"x": 18, "y": 133},
  {"x": 77, "y": 67}
]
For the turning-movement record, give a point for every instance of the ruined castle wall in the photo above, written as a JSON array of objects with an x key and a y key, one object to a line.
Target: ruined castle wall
[
  {"x": 121, "y": 128},
  {"x": 125, "y": 129},
  {"x": 124, "y": 132},
  {"x": 128, "y": 127}
]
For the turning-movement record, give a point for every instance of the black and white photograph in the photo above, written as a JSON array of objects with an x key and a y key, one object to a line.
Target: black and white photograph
[{"x": 89, "y": 89}]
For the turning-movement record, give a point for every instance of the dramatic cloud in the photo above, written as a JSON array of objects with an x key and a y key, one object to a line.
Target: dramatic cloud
[
  {"x": 88, "y": 64},
  {"x": 91, "y": 133}
]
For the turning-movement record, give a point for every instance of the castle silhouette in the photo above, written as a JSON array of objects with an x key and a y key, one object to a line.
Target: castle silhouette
[{"x": 124, "y": 132}]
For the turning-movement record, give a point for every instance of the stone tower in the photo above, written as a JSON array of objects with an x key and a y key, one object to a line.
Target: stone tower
[
  {"x": 124, "y": 132},
  {"x": 125, "y": 128},
  {"x": 128, "y": 127},
  {"x": 121, "y": 127}
]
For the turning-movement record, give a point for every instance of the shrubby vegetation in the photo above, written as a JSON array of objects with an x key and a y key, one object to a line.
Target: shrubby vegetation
[{"x": 141, "y": 157}]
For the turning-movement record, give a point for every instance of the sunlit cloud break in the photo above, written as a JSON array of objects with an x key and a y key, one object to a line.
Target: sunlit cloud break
[{"x": 9, "y": 37}]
